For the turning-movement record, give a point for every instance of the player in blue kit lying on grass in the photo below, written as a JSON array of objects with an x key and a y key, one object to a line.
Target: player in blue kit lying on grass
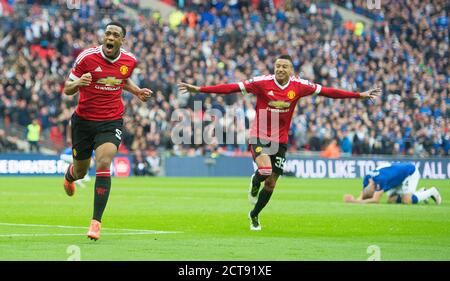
[{"x": 399, "y": 181}]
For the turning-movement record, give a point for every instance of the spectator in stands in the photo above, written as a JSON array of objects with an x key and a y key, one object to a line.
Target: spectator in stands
[
  {"x": 7, "y": 144},
  {"x": 155, "y": 163},
  {"x": 331, "y": 150},
  {"x": 140, "y": 166}
]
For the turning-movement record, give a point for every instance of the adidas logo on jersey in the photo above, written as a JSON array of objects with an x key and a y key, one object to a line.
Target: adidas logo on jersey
[
  {"x": 270, "y": 93},
  {"x": 98, "y": 69}
]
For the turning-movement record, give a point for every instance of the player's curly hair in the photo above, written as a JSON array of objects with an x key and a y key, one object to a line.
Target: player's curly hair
[{"x": 116, "y": 23}]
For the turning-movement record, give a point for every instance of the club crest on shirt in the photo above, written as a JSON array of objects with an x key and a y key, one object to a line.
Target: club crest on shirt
[
  {"x": 258, "y": 149},
  {"x": 74, "y": 152},
  {"x": 291, "y": 95},
  {"x": 123, "y": 69}
]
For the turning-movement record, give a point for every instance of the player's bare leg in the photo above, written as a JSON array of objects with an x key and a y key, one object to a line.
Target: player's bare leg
[
  {"x": 74, "y": 172},
  {"x": 264, "y": 171},
  {"x": 263, "y": 199},
  {"x": 103, "y": 158},
  {"x": 407, "y": 199}
]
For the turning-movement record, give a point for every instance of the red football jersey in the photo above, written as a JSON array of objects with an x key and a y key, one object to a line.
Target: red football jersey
[
  {"x": 102, "y": 99},
  {"x": 275, "y": 104}
]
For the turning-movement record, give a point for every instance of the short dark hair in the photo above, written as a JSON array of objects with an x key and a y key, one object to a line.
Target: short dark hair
[
  {"x": 285, "y": 57},
  {"x": 116, "y": 23}
]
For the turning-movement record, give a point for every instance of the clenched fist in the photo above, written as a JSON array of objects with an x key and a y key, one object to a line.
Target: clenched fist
[{"x": 85, "y": 80}]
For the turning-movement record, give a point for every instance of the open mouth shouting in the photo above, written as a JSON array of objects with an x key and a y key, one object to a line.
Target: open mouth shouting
[{"x": 109, "y": 49}]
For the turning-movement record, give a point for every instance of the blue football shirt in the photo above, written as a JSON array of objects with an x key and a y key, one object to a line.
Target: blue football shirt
[{"x": 390, "y": 177}]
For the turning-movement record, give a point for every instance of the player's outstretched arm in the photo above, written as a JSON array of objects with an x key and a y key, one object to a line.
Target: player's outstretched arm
[
  {"x": 188, "y": 88},
  {"x": 216, "y": 89},
  {"x": 371, "y": 94},
  {"x": 71, "y": 86},
  {"x": 342, "y": 94},
  {"x": 142, "y": 93}
]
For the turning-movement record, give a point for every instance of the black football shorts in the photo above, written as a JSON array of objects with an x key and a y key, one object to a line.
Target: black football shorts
[
  {"x": 276, "y": 151},
  {"x": 87, "y": 135}
]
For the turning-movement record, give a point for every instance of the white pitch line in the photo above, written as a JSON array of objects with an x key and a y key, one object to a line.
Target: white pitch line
[
  {"x": 39, "y": 225},
  {"x": 79, "y": 234},
  {"x": 83, "y": 227}
]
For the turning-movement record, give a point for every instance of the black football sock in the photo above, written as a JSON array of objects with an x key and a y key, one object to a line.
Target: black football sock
[
  {"x": 263, "y": 198},
  {"x": 101, "y": 193},
  {"x": 261, "y": 175}
]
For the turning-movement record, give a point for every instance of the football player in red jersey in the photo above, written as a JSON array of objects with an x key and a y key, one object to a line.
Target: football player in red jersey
[
  {"x": 276, "y": 98},
  {"x": 99, "y": 74}
]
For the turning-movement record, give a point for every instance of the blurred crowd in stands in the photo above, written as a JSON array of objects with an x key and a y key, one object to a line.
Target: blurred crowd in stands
[{"x": 405, "y": 52}]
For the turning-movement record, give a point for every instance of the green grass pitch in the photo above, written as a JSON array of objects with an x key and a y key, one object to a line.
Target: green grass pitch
[{"x": 206, "y": 219}]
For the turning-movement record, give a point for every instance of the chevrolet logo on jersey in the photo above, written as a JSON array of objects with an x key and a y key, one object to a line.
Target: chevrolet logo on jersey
[
  {"x": 279, "y": 104},
  {"x": 110, "y": 81}
]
